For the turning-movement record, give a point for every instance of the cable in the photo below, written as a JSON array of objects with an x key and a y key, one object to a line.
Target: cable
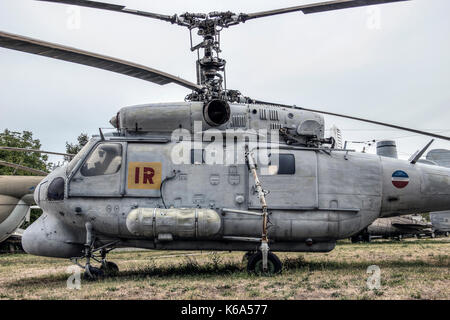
[{"x": 175, "y": 172}]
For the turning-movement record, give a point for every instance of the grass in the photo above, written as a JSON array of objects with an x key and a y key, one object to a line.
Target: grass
[{"x": 411, "y": 269}]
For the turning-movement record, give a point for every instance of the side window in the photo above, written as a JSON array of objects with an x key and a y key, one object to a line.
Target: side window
[
  {"x": 285, "y": 165},
  {"x": 105, "y": 159}
]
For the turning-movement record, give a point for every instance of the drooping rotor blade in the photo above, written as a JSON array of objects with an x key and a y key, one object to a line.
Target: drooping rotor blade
[
  {"x": 35, "y": 150},
  {"x": 56, "y": 51},
  {"x": 358, "y": 119},
  {"x": 315, "y": 8},
  {"x": 18, "y": 166},
  {"x": 114, "y": 7}
]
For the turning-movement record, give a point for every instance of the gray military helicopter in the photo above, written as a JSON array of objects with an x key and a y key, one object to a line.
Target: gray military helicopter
[{"x": 219, "y": 171}]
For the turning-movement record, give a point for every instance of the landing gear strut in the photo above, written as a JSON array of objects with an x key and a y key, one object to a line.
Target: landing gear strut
[
  {"x": 106, "y": 268},
  {"x": 263, "y": 261}
]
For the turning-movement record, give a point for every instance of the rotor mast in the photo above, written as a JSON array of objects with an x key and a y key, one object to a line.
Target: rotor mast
[{"x": 210, "y": 67}]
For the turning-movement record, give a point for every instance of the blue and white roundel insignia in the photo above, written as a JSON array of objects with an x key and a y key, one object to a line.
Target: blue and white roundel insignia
[{"x": 400, "y": 179}]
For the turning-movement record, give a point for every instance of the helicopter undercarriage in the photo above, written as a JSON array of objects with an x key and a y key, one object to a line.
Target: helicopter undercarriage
[
  {"x": 258, "y": 257},
  {"x": 97, "y": 251}
]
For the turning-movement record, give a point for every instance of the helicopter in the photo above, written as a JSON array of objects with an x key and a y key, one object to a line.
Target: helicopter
[{"x": 218, "y": 171}]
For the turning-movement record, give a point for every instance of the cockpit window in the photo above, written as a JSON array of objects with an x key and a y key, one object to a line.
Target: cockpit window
[
  {"x": 105, "y": 159},
  {"x": 80, "y": 155},
  {"x": 55, "y": 191}
]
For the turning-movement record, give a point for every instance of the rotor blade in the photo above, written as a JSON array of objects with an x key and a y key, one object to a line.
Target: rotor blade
[
  {"x": 114, "y": 7},
  {"x": 34, "y": 150},
  {"x": 18, "y": 166},
  {"x": 358, "y": 119},
  {"x": 316, "y": 7},
  {"x": 56, "y": 51}
]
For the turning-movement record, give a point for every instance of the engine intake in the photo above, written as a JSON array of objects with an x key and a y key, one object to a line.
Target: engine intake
[{"x": 216, "y": 112}]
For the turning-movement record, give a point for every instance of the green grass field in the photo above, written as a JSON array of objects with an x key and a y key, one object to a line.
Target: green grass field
[{"x": 411, "y": 269}]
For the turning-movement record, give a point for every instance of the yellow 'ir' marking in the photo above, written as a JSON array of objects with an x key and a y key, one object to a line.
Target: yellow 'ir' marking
[{"x": 144, "y": 175}]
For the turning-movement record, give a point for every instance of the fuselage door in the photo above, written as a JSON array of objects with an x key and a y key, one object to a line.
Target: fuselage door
[
  {"x": 290, "y": 178},
  {"x": 99, "y": 175}
]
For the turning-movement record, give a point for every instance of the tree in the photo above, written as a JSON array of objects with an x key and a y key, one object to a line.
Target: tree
[
  {"x": 29, "y": 159},
  {"x": 74, "y": 148}
]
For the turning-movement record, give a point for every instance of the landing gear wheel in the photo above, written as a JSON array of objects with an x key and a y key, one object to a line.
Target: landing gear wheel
[
  {"x": 255, "y": 264},
  {"x": 433, "y": 235},
  {"x": 92, "y": 273},
  {"x": 109, "y": 268},
  {"x": 446, "y": 234},
  {"x": 399, "y": 238}
]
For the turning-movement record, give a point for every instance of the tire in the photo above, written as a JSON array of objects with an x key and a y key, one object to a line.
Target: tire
[
  {"x": 92, "y": 273},
  {"x": 433, "y": 235},
  {"x": 247, "y": 256},
  {"x": 447, "y": 234},
  {"x": 110, "y": 268},
  {"x": 255, "y": 262}
]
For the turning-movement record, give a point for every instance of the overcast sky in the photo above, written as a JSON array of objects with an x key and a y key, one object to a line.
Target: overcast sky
[{"x": 394, "y": 69}]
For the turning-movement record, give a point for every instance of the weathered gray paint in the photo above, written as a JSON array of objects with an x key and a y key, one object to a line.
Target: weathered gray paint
[{"x": 332, "y": 195}]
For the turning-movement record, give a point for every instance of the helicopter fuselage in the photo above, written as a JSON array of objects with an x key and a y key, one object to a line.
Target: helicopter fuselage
[{"x": 146, "y": 191}]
